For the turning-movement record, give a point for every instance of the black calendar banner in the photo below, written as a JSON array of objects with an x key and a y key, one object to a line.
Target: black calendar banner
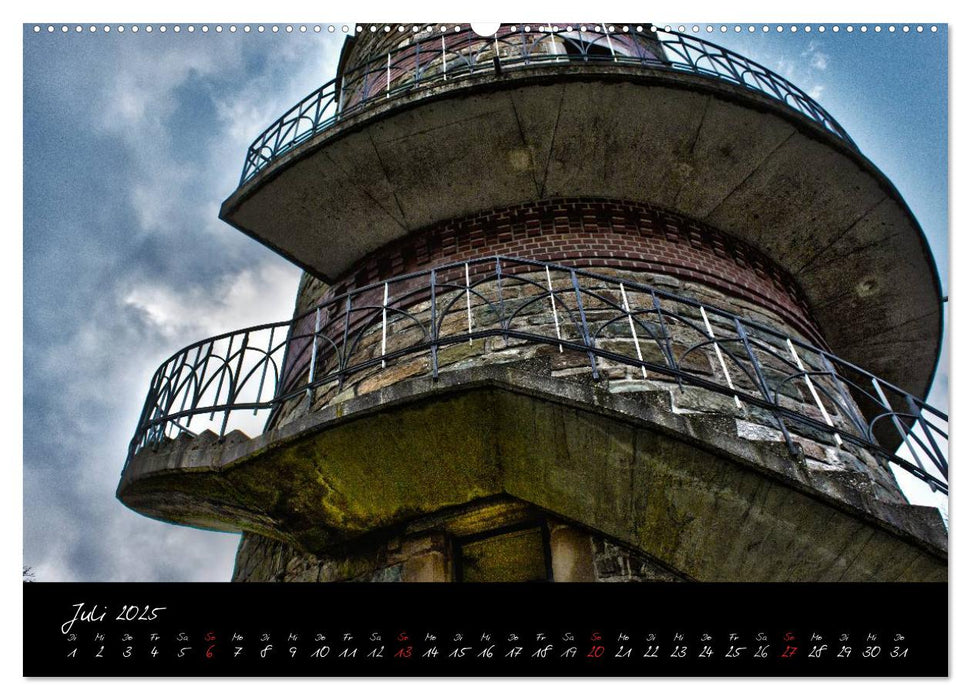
[{"x": 341, "y": 630}]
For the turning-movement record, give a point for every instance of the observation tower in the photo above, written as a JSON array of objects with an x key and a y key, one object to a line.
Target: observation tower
[{"x": 581, "y": 302}]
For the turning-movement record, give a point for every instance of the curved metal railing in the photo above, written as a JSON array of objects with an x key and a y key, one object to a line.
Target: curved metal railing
[
  {"x": 432, "y": 58},
  {"x": 614, "y": 323}
]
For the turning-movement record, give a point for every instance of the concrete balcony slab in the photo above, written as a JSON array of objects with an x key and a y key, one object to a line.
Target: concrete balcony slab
[{"x": 679, "y": 487}]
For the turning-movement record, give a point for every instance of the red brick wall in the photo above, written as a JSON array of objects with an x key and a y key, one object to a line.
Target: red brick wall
[{"x": 596, "y": 233}]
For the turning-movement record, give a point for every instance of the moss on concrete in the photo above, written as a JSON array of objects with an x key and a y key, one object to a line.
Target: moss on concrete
[{"x": 710, "y": 517}]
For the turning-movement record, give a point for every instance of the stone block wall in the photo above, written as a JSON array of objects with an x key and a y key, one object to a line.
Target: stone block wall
[{"x": 415, "y": 559}]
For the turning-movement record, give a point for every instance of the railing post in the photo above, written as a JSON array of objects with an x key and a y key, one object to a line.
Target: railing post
[
  {"x": 281, "y": 381},
  {"x": 666, "y": 347},
  {"x": 387, "y": 87},
  {"x": 222, "y": 375},
  {"x": 384, "y": 327},
  {"x": 266, "y": 362},
  {"x": 730, "y": 62},
  {"x": 433, "y": 330},
  {"x": 142, "y": 431},
  {"x": 343, "y": 358},
  {"x": 233, "y": 386},
  {"x": 610, "y": 44},
  {"x": 313, "y": 359},
  {"x": 896, "y": 423},
  {"x": 417, "y": 62},
  {"x": 848, "y": 404},
  {"x": 444, "y": 64},
  {"x": 468, "y": 301},
  {"x": 721, "y": 358},
  {"x": 185, "y": 396},
  {"x": 815, "y": 394},
  {"x": 583, "y": 325},
  {"x": 763, "y": 385},
  {"x": 205, "y": 362},
  {"x": 502, "y": 308},
  {"x": 633, "y": 331},
  {"x": 939, "y": 460},
  {"x": 165, "y": 398},
  {"x": 556, "y": 320}
]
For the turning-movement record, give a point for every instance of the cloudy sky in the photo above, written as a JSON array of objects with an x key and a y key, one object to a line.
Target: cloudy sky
[{"x": 131, "y": 141}]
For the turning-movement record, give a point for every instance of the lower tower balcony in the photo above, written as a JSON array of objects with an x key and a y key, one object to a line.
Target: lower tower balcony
[{"x": 653, "y": 419}]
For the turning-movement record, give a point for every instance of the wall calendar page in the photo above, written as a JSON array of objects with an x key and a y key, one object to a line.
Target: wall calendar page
[{"x": 437, "y": 349}]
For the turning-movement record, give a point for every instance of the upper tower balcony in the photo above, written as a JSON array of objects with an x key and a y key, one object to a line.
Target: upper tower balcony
[{"x": 422, "y": 126}]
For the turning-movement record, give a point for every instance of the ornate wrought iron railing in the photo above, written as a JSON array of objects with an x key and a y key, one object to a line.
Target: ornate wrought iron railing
[
  {"x": 431, "y": 58},
  {"x": 614, "y": 323}
]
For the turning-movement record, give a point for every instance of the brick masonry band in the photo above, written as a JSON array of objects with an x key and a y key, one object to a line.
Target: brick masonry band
[{"x": 592, "y": 233}]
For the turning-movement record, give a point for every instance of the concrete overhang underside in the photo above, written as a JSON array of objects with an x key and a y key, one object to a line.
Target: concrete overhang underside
[
  {"x": 713, "y": 152},
  {"x": 682, "y": 489}
]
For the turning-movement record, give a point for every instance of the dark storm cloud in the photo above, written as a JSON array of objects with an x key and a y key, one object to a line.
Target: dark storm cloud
[{"x": 130, "y": 144}]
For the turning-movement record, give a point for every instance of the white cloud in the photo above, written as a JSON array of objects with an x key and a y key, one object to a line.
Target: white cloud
[
  {"x": 185, "y": 314},
  {"x": 819, "y": 61},
  {"x": 140, "y": 92},
  {"x": 816, "y": 59},
  {"x": 785, "y": 67}
]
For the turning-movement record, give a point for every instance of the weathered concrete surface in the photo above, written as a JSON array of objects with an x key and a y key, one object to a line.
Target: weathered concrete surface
[
  {"x": 681, "y": 488},
  {"x": 435, "y": 551},
  {"x": 718, "y": 154}
]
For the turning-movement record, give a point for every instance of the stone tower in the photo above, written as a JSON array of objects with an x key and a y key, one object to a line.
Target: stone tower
[{"x": 581, "y": 303}]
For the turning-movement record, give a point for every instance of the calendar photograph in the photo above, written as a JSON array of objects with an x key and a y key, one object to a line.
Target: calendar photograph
[{"x": 655, "y": 310}]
